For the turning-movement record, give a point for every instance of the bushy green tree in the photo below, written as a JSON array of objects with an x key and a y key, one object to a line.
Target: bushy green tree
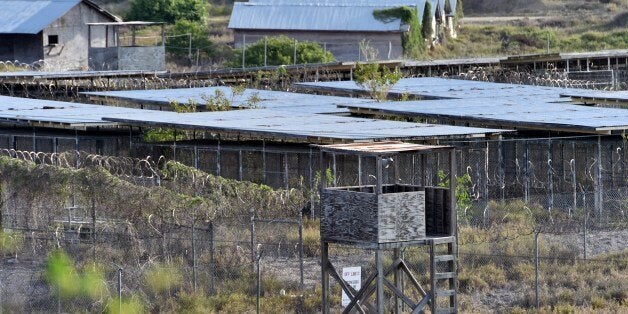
[
  {"x": 168, "y": 11},
  {"x": 426, "y": 29},
  {"x": 280, "y": 51},
  {"x": 179, "y": 43},
  {"x": 459, "y": 14}
]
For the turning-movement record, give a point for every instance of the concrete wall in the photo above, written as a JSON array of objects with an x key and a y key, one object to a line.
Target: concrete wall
[
  {"x": 128, "y": 58},
  {"x": 142, "y": 58},
  {"x": 22, "y": 48},
  {"x": 72, "y": 50},
  {"x": 103, "y": 59},
  {"x": 345, "y": 46}
]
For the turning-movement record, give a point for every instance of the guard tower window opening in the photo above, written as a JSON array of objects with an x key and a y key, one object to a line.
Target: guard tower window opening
[{"x": 53, "y": 40}]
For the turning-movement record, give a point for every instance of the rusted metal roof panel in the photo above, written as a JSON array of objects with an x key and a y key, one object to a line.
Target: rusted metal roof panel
[{"x": 380, "y": 148}]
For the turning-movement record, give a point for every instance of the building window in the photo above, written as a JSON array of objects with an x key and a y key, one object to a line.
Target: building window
[{"x": 53, "y": 40}]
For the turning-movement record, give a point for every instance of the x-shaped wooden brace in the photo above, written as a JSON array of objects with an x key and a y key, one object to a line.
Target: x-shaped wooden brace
[{"x": 358, "y": 298}]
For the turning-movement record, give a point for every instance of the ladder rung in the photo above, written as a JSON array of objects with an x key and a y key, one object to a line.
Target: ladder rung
[
  {"x": 443, "y": 240},
  {"x": 440, "y": 276},
  {"x": 449, "y": 310},
  {"x": 444, "y": 258},
  {"x": 445, "y": 293}
]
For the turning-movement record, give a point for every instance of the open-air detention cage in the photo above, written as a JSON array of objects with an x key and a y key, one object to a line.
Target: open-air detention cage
[{"x": 568, "y": 193}]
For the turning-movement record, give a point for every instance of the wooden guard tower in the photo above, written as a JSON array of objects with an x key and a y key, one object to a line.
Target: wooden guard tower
[{"x": 391, "y": 216}]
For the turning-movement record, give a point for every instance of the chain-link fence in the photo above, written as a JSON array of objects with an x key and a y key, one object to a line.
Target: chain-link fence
[
  {"x": 354, "y": 49},
  {"x": 571, "y": 192}
]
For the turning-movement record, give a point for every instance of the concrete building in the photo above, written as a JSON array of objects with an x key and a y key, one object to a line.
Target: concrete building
[
  {"x": 51, "y": 32},
  {"x": 338, "y": 25},
  {"x": 123, "y": 49}
]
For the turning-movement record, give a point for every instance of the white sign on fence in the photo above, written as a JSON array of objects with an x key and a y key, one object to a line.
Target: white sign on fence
[{"x": 353, "y": 277}]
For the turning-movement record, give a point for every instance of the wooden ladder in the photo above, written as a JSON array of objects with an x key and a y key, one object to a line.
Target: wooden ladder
[{"x": 443, "y": 275}]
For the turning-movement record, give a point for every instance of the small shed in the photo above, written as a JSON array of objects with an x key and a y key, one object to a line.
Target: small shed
[
  {"x": 117, "y": 46},
  {"x": 50, "y": 33},
  {"x": 346, "y": 28}
]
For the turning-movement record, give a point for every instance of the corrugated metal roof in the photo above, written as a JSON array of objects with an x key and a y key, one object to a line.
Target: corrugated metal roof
[
  {"x": 509, "y": 112},
  {"x": 309, "y": 17},
  {"x": 303, "y": 103},
  {"x": 36, "y": 111},
  {"x": 388, "y": 3},
  {"x": 324, "y": 15},
  {"x": 31, "y": 16},
  {"x": 439, "y": 88},
  {"x": 265, "y": 123},
  {"x": 593, "y": 96},
  {"x": 276, "y": 124}
]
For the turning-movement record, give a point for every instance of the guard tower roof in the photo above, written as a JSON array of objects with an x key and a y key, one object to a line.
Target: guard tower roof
[{"x": 381, "y": 148}]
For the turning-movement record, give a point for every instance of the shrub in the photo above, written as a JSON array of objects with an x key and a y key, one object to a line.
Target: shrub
[
  {"x": 470, "y": 282},
  {"x": 377, "y": 80},
  {"x": 280, "y": 51}
]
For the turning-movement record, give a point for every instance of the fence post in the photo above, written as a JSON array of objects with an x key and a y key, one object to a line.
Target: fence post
[
  {"x": 586, "y": 222},
  {"x": 536, "y": 268},
  {"x": 212, "y": 268},
  {"x": 526, "y": 182},
  {"x": 198, "y": 52},
  {"x": 252, "y": 241},
  {"x": 240, "y": 169},
  {"x": 501, "y": 174},
  {"x": 301, "y": 247},
  {"x": 194, "y": 275},
  {"x": 120, "y": 290},
  {"x": 94, "y": 229},
  {"x": 550, "y": 177},
  {"x": 286, "y": 175},
  {"x": 572, "y": 165},
  {"x": 259, "y": 277},
  {"x": 598, "y": 179},
  {"x": 295, "y": 52},
  {"x": 485, "y": 183},
  {"x": 243, "y": 50},
  {"x": 190, "y": 48},
  {"x": 196, "y": 157},
  {"x": 265, "y": 51}
]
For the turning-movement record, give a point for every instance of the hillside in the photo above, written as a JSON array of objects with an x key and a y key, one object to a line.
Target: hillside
[
  {"x": 494, "y": 27},
  {"x": 500, "y": 27},
  {"x": 542, "y": 7}
]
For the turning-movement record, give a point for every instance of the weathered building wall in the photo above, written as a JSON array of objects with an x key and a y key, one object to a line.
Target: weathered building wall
[
  {"x": 103, "y": 59},
  {"x": 345, "y": 46},
  {"x": 22, "y": 48},
  {"x": 142, "y": 58},
  {"x": 72, "y": 50},
  {"x": 128, "y": 58}
]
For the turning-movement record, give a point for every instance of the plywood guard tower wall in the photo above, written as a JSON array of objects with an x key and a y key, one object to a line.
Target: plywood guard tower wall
[{"x": 390, "y": 216}]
